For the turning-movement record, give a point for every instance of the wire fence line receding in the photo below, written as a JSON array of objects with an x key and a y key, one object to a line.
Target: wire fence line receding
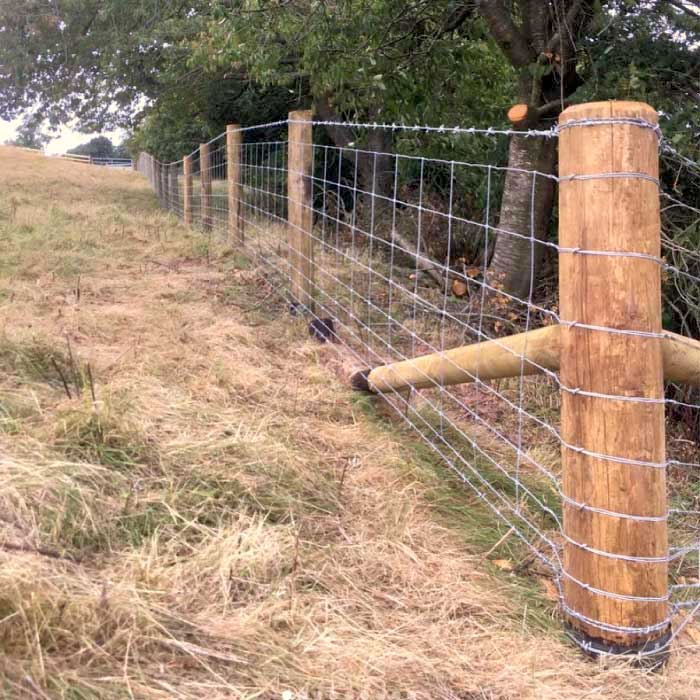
[
  {"x": 390, "y": 255},
  {"x": 95, "y": 160}
]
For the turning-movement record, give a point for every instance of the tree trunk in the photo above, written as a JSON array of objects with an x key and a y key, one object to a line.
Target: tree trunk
[
  {"x": 524, "y": 212},
  {"x": 377, "y": 168},
  {"x": 375, "y": 162},
  {"x": 542, "y": 47}
]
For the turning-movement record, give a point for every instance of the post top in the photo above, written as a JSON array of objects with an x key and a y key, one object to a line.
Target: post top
[
  {"x": 301, "y": 114},
  {"x": 233, "y": 127},
  {"x": 610, "y": 109}
]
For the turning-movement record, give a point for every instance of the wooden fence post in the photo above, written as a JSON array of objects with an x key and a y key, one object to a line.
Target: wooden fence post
[
  {"x": 615, "y": 583},
  {"x": 173, "y": 189},
  {"x": 205, "y": 177},
  {"x": 233, "y": 171},
  {"x": 164, "y": 184},
  {"x": 187, "y": 190},
  {"x": 300, "y": 207},
  {"x": 157, "y": 180}
]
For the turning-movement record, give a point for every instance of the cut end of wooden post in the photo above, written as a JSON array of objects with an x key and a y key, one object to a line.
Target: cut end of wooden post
[
  {"x": 360, "y": 381},
  {"x": 301, "y": 115}
]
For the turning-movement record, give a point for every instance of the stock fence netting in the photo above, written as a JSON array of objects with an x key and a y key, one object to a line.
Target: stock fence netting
[{"x": 403, "y": 242}]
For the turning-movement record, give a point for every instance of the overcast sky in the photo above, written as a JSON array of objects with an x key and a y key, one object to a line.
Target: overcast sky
[{"x": 65, "y": 138}]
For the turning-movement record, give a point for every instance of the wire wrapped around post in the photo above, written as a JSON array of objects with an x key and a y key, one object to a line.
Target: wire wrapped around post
[{"x": 615, "y": 577}]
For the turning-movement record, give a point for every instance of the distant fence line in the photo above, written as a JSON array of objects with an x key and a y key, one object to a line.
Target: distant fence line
[
  {"x": 94, "y": 160},
  {"x": 551, "y": 410}
]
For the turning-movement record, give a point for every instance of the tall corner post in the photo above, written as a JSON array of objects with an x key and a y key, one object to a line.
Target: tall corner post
[
  {"x": 300, "y": 207},
  {"x": 233, "y": 173},
  {"x": 187, "y": 190},
  {"x": 205, "y": 179},
  {"x": 615, "y": 578}
]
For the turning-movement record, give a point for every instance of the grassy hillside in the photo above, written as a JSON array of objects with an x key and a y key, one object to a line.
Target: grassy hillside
[{"x": 194, "y": 505}]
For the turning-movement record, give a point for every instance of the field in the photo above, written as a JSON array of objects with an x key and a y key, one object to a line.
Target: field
[{"x": 195, "y": 505}]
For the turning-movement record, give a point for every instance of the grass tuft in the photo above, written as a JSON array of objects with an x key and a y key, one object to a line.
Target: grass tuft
[
  {"x": 219, "y": 515},
  {"x": 100, "y": 435}
]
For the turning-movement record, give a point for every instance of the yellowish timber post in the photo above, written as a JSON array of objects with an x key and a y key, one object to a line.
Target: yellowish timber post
[
  {"x": 526, "y": 353},
  {"x": 164, "y": 184},
  {"x": 205, "y": 177},
  {"x": 300, "y": 207},
  {"x": 233, "y": 172},
  {"x": 187, "y": 190},
  {"x": 615, "y": 580},
  {"x": 158, "y": 180},
  {"x": 173, "y": 188}
]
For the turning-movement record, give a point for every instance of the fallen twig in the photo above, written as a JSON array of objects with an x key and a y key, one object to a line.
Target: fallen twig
[{"x": 50, "y": 553}]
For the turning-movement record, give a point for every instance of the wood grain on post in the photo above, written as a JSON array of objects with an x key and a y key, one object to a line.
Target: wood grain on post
[
  {"x": 205, "y": 178},
  {"x": 157, "y": 179},
  {"x": 618, "y": 214},
  {"x": 300, "y": 206},
  {"x": 233, "y": 172},
  {"x": 173, "y": 188},
  {"x": 524, "y": 353},
  {"x": 164, "y": 184},
  {"x": 187, "y": 190},
  {"x": 499, "y": 359}
]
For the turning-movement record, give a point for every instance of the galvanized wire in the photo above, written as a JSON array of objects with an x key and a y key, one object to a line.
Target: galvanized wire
[{"x": 383, "y": 234}]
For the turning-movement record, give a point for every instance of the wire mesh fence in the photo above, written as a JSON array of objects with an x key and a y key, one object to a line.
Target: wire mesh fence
[
  {"x": 400, "y": 265},
  {"x": 95, "y": 160}
]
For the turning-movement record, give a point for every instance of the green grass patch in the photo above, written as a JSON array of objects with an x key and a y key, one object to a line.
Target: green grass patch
[{"x": 100, "y": 436}]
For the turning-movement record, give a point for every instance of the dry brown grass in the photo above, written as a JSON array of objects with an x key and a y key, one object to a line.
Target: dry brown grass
[{"x": 224, "y": 520}]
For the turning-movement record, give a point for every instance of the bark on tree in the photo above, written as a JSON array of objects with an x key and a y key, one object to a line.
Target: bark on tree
[
  {"x": 374, "y": 158},
  {"x": 526, "y": 210},
  {"x": 539, "y": 40}
]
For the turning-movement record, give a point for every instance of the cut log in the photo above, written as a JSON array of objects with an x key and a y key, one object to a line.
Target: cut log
[
  {"x": 518, "y": 114},
  {"x": 459, "y": 288},
  {"x": 423, "y": 262}
]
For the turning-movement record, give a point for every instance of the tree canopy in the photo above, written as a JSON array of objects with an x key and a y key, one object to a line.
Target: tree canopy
[
  {"x": 100, "y": 147},
  {"x": 193, "y": 65},
  {"x": 176, "y": 72}
]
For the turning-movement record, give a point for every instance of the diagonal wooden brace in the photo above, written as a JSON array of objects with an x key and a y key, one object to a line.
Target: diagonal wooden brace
[{"x": 526, "y": 353}]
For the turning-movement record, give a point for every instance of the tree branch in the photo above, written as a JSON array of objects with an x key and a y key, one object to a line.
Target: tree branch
[
  {"x": 342, "y": 136},
  {"x": 538, "y": 26},
  {"x": 568, "y": 20},
  {"x": 693, "y": 10},
  {"x": 457, "y": 19},
  {"x": 423, "y": 262},
  {"x": 506, "y": 33}
]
